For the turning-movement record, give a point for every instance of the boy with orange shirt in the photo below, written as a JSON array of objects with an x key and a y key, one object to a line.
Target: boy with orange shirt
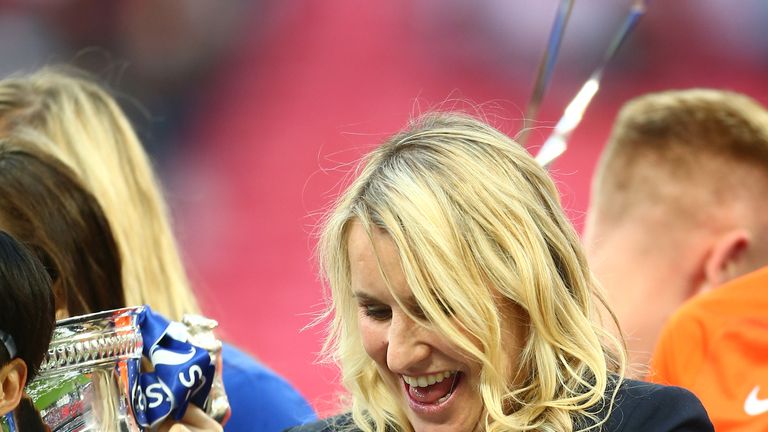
[
  {"x": 716, "y": 345},
  {"x": 678, "y": 209}
]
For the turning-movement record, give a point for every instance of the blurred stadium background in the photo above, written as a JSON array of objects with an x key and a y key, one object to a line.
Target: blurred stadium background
[{"x": 253, "y": 110}]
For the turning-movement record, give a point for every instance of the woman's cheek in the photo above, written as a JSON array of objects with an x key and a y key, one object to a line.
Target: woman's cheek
[{"x": 374, "y": 336}]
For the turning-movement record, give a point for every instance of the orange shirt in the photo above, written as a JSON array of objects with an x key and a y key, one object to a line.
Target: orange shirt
[{"x": 716, "y": 345}]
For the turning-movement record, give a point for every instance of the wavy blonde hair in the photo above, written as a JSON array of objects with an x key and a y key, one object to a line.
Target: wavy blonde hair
[
  {"x": 91, "y": 134},
  {"x": 475, "y": 218}
]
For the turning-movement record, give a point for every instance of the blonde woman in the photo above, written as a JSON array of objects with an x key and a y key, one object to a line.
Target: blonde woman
[
  {"x": 461, "y": 299},
  {"x": 82, "y": 126}
]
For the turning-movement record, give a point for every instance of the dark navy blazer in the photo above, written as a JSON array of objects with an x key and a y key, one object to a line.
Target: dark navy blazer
[{"x": 639, "y": 407}]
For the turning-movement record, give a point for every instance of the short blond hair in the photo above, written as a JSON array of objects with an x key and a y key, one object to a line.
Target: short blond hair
[
  {"x": 91, "y": 135},
  {"x": 474, "y": 218},
  {"x": 683, "y": 149}
]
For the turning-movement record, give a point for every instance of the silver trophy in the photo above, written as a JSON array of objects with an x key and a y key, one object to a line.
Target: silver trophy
[
  {"x": 83, "y": 383},
  {"x": 85, "y": 380}
]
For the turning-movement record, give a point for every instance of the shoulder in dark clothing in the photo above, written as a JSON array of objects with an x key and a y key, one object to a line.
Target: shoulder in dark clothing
[
  {"x": 642, "y": 406},
  {"x": 638, "y": 407}
]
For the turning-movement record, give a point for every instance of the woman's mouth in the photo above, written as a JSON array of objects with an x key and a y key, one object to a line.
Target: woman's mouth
[{"x": 427, "y": 393}]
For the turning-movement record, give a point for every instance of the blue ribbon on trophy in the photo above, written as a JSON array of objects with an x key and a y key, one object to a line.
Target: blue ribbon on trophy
[
  {"x": 183, "y": 372},
  {"x": 92, "y": 379}
]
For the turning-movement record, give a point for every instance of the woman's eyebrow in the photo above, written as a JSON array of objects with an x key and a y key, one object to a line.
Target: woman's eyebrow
[
  {"x": 410, "y": 302},
  {"x": 364, "y": 297}
]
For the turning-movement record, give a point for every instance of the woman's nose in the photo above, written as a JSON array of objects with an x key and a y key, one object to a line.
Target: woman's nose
[{"x": 408, "y": 348}]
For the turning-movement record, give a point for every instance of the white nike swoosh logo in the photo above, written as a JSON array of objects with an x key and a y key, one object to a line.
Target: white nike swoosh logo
[{"x": 754, "y": 406}]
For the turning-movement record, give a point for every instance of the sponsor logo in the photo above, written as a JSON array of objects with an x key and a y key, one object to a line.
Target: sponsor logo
[
  {"x": 753, "y": 405},
  {"x": 161, "y": 356}
]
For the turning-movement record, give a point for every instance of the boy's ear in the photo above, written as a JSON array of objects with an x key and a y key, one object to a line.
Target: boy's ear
[
  {"x": 13, "y": 376},
  {"x": 726, "y": 258}
]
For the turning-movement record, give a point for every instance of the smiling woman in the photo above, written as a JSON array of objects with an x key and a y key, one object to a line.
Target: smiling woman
[
  {"x": 438, "y": 378},
  {"x": 462, "y": 300}
]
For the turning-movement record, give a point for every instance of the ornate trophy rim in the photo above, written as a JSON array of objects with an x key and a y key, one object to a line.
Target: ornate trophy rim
[{"x": 91, "y": 340}]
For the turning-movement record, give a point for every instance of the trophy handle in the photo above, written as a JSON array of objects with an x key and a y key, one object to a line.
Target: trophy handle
[{"x": 201, "y": 331}]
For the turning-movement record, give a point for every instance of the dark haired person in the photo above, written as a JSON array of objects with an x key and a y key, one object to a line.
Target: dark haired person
[{"x": 26, "y": 319}]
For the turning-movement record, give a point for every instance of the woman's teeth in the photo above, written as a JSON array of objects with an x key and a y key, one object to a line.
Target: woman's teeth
[{"x": 426, "y": 380}]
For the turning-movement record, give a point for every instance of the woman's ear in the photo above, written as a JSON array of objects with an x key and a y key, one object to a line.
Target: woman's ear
[
  {"x": 13, "y": 376},
  {"x": 60, "y": 299},
  {"x": 726, "y": 258}
]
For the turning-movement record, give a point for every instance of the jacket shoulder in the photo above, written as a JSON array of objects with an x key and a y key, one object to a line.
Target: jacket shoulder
[
  {"x": 638, "y": 406},
  {"x": 652, "y": 407}
]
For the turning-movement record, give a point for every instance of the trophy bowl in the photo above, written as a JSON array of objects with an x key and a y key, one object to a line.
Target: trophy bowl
[{"x": 85, "y": 380}]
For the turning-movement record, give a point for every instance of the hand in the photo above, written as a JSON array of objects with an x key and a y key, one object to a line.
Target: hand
[{"x": 194, "y": 420}]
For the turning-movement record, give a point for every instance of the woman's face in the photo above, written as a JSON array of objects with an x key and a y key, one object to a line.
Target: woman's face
[{"x": 436, "y": 384}]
